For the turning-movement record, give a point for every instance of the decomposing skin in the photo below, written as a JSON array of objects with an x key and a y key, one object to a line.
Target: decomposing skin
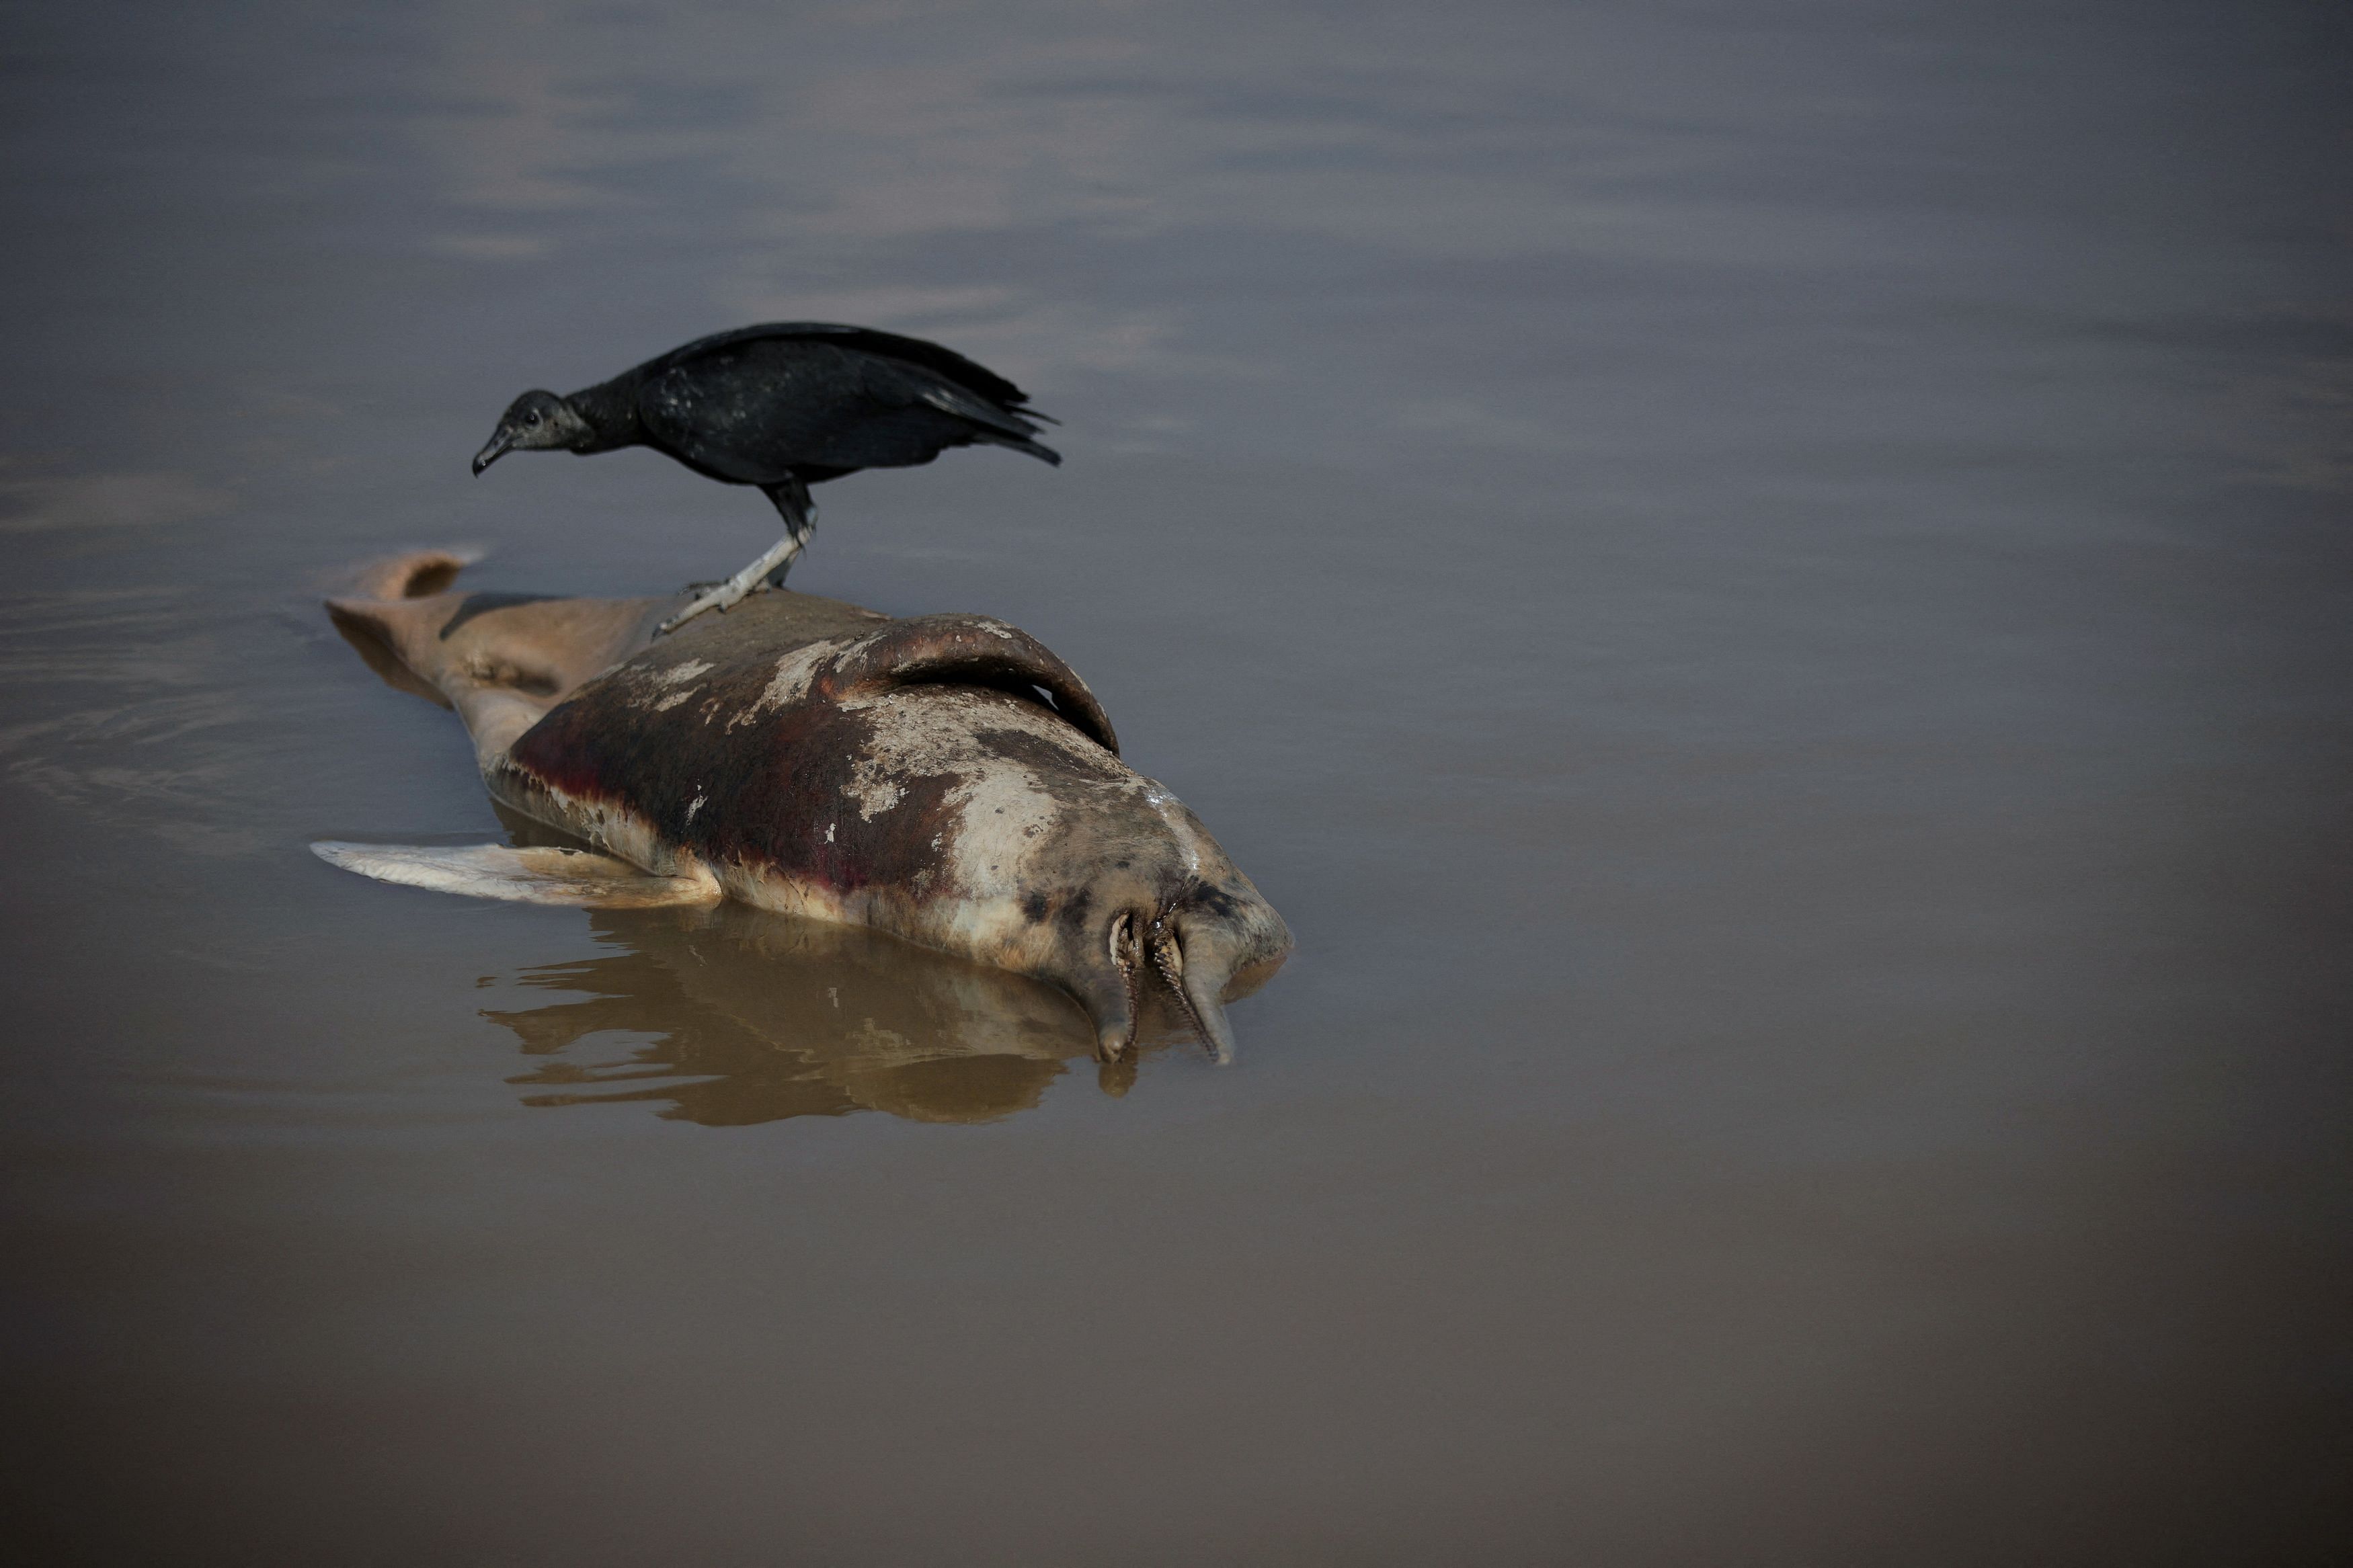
[{"x": 943, "y": 778}]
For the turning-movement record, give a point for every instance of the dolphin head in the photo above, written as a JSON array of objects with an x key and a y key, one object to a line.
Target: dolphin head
[{"x": 1168, "y": 916}]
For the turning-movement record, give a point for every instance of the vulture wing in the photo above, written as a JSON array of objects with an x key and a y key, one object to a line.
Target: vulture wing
[
  {"x": 758, "y": 406},
  {"x": 946, "y": 364}
]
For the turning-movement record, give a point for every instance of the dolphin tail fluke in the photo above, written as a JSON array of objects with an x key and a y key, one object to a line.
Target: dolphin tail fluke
[
  {"x": 416, "y": 574},
  {"x": 577, "y": 879},
  {"x": 390, "y": 615}
]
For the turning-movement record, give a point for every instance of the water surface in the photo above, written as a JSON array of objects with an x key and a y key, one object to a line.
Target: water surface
[{"x": 1765, "y": 586}]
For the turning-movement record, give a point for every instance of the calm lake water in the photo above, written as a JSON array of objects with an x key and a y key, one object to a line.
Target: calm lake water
[{"x": 1766, "y": 587}]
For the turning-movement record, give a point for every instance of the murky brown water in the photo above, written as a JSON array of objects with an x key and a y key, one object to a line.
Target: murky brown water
[{"x": 1767, "y": 587}]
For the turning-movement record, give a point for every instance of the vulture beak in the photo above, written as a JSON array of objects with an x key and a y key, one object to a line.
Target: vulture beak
[{"x": 501, "y": 444}]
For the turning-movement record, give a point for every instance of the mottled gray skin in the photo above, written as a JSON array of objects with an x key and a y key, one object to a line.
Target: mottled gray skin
[{"x": 943, "y": 778}]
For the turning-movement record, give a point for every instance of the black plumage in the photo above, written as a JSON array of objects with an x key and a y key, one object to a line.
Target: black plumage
[{"x": 782, "y": 407}]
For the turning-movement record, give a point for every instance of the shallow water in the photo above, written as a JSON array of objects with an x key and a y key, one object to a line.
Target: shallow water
[{"x": 1765, "y": 586}]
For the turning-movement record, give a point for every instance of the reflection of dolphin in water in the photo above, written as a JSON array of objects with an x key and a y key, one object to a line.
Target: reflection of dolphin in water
[
  {"x": 945, "y": 779},
  {"x": 775, "y": 1016}
]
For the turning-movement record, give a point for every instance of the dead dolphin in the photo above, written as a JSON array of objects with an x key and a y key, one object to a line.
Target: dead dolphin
[{"x": 943, "y": 778}]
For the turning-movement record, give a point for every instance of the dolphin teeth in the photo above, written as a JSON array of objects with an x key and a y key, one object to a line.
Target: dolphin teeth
[{"x": 1168, "y": 953}]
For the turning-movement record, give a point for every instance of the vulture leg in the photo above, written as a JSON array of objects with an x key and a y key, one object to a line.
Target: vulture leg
[
  {"x": 792, "y": 500},
  {"x": 799, "y": 512}
]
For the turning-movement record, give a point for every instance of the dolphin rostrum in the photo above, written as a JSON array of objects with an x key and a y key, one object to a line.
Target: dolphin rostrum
[{"x": 943, "y": 778}]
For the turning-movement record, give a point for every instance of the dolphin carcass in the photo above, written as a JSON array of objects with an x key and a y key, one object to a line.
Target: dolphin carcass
[{"x": 943, "y": 778}]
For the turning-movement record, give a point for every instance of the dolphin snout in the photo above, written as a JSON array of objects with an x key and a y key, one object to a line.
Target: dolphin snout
[
  {"x": 1206, "y": 940},
  {"x": 1140, "y": 948},
  {"x": 1105, "y": 981},
  {"x": 1196, "y": 972}
]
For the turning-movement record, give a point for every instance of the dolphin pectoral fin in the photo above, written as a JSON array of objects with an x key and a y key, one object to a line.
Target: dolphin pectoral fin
[{"x": 575, "y": 879}]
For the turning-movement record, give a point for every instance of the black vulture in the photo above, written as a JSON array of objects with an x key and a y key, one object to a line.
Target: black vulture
[{"x": 782, "y": 407}]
